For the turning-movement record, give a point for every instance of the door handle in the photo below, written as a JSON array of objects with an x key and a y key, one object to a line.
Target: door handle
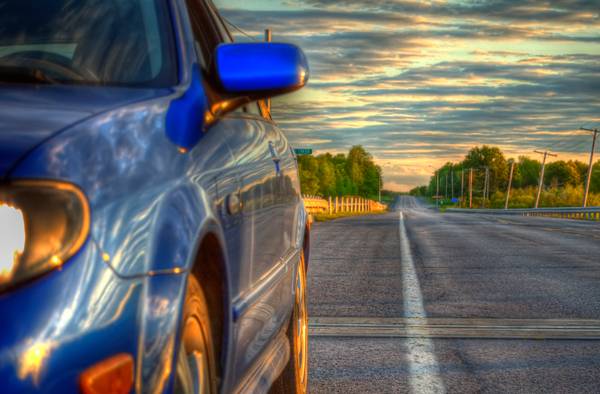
[{"x": 233, "y": 204}]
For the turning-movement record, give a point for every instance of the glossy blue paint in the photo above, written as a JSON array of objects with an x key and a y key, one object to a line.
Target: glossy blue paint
[
  {"x": 261, "y": 67},
  {"x": 73, "y": 317},
  {"x": 29, "y": 115},
  {"x": 185, "y": 117},
  {"x": 151, "y": 206}
]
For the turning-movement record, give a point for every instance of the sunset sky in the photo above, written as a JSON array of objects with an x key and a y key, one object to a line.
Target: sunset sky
[{"x": 419, "y": 83}]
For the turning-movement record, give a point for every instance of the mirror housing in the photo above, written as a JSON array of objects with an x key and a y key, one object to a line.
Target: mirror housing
[{"x": 260, "y": 70}]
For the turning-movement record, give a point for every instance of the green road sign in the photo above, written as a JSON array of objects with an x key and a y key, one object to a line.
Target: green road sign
[{"x": 303, "y": 151}]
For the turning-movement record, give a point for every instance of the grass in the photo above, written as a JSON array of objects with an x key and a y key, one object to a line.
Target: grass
[{"x": 324, "y": 217}]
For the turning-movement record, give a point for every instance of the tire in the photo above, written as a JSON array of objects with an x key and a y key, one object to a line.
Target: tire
[
  {"x": 294, "y": 378},
  {"x": 196, "y": 361}
]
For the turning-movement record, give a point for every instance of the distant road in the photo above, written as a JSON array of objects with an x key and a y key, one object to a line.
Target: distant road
[{"x": 425, "y": 301}]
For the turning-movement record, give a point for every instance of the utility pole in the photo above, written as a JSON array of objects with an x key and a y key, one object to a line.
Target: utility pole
[
  {"x": 452, "y": 183},
  {"x": 268, "y": 38},
  {"x": 446, "y": 181},
  {"x": 485, "y": 186},
  {"x": 437, "y": 190},
  {"x": 379, "y": 187},
  {"x": 462, "y": 186},
  {"x": 589, "y": 173},
  {"x": 541, "y": 182},
  {"x": 470, "y": 188},
  {"x": 510, "y": 178}
]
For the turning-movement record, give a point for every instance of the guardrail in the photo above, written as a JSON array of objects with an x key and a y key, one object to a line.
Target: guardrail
[
  {"x": 564, "y": 213},
  {"x": 331, "y": 205}
]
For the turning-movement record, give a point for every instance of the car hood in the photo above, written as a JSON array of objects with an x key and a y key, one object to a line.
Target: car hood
[{"x": 29, "y": 115}]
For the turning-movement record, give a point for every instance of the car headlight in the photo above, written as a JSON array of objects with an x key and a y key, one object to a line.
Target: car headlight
[{"x": 42, "y": 225}]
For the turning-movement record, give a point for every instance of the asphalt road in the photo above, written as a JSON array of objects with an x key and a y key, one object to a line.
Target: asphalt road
[{"x": 420, "y": 301}]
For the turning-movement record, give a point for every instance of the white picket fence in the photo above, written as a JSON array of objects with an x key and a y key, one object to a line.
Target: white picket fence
[{"x": 332, "y": 205}]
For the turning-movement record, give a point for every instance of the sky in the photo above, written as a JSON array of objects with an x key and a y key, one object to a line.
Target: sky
[{"x": 418, "y": 83}]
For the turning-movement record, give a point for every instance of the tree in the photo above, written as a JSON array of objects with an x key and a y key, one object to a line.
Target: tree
[
  {"x": 491, "y": 157},
  {"x": 339, "y": 175},
  {"x": 527, "y": 172},
  {"x": 309, "y": 179},
  {"x": 595, "y": 181},
  {"x": 355, "y": 164},
  {"x": 372, "y": 176},
  {"x": 343, "y": 183},
  {"x": 565, "y": 179},
  {"x": 562, "y": 173},
  {"x": 326, "y": 175},
  {"x": 419, "y": 191},
  {"x": 582, "y": 169}
]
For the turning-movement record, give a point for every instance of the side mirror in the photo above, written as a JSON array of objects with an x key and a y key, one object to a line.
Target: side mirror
[
  {"x": 245, "y": 72},
  {"x": 260, "y": 70}
]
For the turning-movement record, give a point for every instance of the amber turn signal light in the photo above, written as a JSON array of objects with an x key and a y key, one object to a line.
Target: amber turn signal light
[{"x": 113, "y": 375}]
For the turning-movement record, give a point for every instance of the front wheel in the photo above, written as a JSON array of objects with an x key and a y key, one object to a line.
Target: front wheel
[
  {"x": 196, "y": 362},
  {"x": 294, "y": 378}
]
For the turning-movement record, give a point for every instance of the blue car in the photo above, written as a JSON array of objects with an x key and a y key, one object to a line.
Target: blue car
[{"x": 152, "y": 232}]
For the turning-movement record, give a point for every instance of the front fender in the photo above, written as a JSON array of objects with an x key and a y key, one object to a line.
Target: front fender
[
  {"x": 181, "y": 218},
  {"x": 164, "y": 297}
]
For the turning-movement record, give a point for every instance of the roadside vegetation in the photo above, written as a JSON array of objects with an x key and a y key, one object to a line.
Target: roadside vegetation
[
  {"x": 354, "y": 174},
  {"x": 342, "y": 175},
  {"x": 324, "y": 217},
  {"x": 563, "y": 181}
]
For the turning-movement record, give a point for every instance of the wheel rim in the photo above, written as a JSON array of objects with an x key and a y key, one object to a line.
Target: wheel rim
[
  {"x": 301, "y": 330},
  {"x": 193, "y": 368}
]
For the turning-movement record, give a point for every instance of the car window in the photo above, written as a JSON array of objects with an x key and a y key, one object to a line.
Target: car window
[{"x": 108, "y": 42}]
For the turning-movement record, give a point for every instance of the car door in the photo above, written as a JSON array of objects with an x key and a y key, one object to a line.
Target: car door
[
  {"x": 226, "y": 181},
  {"x": 258, "y": 150},
  {"x": 259, "y": 147},
  {"x": 291, "y": 198},
  {"x": 263, "y": 309},
  {"x": 256, "y": 246}
]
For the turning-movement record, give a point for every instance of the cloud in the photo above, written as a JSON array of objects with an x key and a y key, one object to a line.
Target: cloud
[{"x": 419, "y": 82}]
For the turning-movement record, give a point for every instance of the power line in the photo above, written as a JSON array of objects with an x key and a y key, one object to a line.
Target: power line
[
  {"x": 567, "y": 141},
  {"x": 580, "y": 146},
  {"x": 575, "y": 147},
  {"x": 564, "y": 144},
  {"x": 570, "y": 144}
]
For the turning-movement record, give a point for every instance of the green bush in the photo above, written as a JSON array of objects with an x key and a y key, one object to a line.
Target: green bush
[
  {"x": 340, "y": 175},
  {"x": 563, "y": 180},
  {"x": 567, "y": 196}
]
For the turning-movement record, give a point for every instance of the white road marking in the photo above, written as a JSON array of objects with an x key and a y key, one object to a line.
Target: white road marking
[
  {"x": 424, "y": 369},
  {"x": 479, "y": 328}
]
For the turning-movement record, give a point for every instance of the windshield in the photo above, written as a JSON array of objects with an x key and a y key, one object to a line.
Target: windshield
[{"x": 104, "y": 42}]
